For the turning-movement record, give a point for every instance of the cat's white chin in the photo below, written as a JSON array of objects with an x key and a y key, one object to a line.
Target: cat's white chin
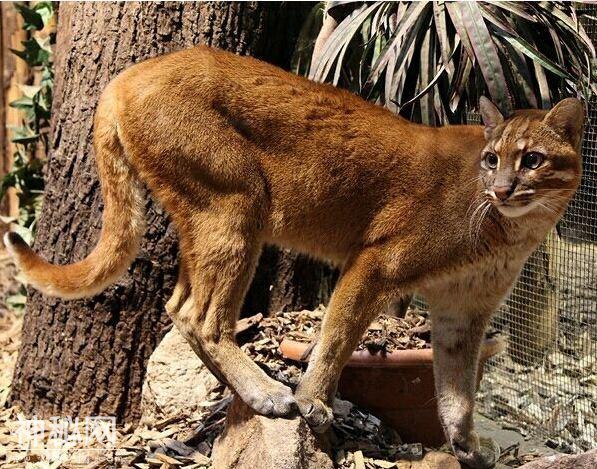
[{"x": 515, "y": 212}]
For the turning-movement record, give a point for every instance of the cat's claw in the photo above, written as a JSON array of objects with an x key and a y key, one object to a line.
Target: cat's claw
[
  {"x": 318, "y": 415},
  {"x": 484, "y": 457},
  {"x": 278, "y": 401}
]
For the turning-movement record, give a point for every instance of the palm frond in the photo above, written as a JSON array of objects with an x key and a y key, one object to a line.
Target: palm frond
[{"x": 428, "y": 60}]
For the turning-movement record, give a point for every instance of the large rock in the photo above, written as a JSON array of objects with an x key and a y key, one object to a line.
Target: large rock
[
  {"x": 251, "y": 441},
  {"x": 586, "y": 460},
  {"x": 176, "y": 382}
]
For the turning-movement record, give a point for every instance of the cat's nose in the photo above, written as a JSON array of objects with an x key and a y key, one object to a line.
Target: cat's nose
[{"x": 503, "y": 192}]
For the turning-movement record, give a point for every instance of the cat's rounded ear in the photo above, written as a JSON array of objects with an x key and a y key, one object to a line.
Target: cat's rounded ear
[
  {"x": 491, "y": 115},
  {"x": 567, "y": 119}
]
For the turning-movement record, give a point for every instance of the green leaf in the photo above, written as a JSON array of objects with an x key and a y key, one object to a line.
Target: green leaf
[
  {"x": 46, "y": 11},
  {"x": 544, "y": 92},
  {"x": 458, "y": 84},
  {"x": 496, "y": 19},
  {"x": 440, "y": 56},
  {"x": 518, "y": 9},
  {"x": 441, "y": 27},
  {"x": 520, "y": 74},
  {"x": 403, "y": 37},
  {"x": 17, "y": 301},
  {"x": 433, "y": 80},
  {"x": 574, "y": 27},
  {"x": 22, "y": 103},
  {"x": 456, "y": 16},
  {"x": 337, "y": 41},
  {"x": 426, "y": 75},
  {"x": 487, "y": 55},
  {"x": 34, "y": 54},
  {"x": 25, "y": 137},
  {"x": 30, "y": 91},
  {"x": 24, "y": 232},
  {"x": 32, "y": 19},
  {"x": 301, "y": 58},
  {"x": 527, "y": 49}
]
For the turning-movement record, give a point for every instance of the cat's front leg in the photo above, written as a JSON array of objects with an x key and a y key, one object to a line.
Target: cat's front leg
[
  {"x": 456, "y": 343},
  {"x": 358, "y": 298}
]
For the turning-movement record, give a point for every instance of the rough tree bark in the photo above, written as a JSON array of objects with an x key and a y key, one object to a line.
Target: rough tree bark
[{"x": 88, "y": 357}]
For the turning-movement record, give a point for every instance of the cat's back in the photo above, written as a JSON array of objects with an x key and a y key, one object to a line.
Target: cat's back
[
  {"x": 259, "y": 98},
  {"x": 210, "y": 75}
]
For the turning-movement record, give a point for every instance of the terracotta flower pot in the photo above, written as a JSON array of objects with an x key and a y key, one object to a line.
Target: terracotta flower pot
[{"x": 397, "y": 387}]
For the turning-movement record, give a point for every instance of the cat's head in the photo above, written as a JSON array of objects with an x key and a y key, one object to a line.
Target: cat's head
[{"x": 532, "y": 158}]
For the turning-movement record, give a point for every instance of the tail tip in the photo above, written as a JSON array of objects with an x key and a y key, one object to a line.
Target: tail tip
[{"x": 13, "y": 242}]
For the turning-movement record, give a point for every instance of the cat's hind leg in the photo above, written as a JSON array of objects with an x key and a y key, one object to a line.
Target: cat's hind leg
[
  {"x": 220, "y": 253},
  {"x": 179, "y": 307}
]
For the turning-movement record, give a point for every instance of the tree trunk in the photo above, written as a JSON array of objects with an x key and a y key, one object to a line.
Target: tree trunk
[
  {"x": 88, "y": 357},
  {"x": 288, "y": 281}
]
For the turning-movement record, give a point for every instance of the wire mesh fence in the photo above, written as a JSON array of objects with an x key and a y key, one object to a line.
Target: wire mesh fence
[{"x": 546, "y": 383}]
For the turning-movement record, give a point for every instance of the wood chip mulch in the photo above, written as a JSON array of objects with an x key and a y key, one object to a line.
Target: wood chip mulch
[{"x": 359, "y": 439}]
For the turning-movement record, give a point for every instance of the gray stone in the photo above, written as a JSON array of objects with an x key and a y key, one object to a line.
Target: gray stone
[
  {"x": 252, "y": 441},
  {"x": 586, "y": 460},
  {"x": 176, "y": 382}
]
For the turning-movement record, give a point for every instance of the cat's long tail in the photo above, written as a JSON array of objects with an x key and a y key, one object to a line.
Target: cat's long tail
[{"x": 123, "y": 221}]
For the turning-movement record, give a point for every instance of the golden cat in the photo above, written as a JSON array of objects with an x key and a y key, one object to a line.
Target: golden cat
[{"x": 241, "y": 153}]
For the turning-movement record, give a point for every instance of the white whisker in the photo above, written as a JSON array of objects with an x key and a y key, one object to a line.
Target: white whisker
[
  {"x": 475, "y": 222},
  {"x": 472, "y": 181},
  {"x": 480, "y": 224},
  {"x": 549, "y": 209}
]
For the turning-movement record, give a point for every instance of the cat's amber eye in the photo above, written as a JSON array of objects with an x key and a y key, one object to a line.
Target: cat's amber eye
[
  {"x": 491, "y": 160},
  {"x": 532, "y": 160}
]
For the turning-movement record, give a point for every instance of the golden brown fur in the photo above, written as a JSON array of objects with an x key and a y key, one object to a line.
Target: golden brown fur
[{"x": 241, "y": 153}]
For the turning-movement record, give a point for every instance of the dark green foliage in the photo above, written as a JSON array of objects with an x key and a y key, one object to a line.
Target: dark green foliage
[
  {"x": 36, "y": 17},
  {"x": 31, "y": 138},
  {"x": 431, "y": 61}
]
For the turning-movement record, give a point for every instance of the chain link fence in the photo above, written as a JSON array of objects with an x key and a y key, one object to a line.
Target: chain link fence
[{"x": 546, "y": 382}]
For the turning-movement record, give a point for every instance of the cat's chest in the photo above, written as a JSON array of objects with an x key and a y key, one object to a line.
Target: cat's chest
[{"x": 482, "y": 284}]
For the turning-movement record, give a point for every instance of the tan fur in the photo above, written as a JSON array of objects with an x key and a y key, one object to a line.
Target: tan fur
[
  {"x": 123, "y": 222},
  {"x": 241, "y": 153}
]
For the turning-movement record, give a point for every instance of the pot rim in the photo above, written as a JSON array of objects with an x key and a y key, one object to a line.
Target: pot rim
[{"x": 293, "y": 349}]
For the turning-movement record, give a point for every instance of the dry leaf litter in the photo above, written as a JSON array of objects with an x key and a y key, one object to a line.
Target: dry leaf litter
[
  {"x": 359, "y": 439},
  {"x": 541, "y": 397}
]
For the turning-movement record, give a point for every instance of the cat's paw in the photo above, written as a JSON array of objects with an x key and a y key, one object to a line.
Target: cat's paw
[
  {"x": 483, "y": 455},
  {"x": 317, "y": 414},
  {"x": 276, "y": 400}
]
